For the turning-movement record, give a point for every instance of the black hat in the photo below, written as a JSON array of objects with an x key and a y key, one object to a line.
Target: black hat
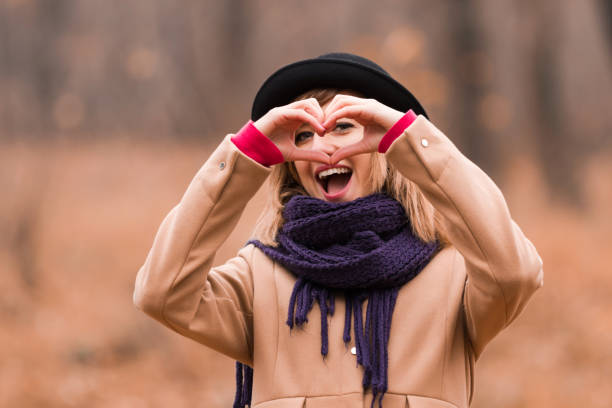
[{"x": 336, "y": 70}]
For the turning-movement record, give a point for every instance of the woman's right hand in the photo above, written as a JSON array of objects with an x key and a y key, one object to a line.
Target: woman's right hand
[{"x": 279, "y": 125}]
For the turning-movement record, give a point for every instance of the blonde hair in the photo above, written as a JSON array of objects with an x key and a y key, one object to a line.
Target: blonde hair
[{"x": 284, "y": 183}]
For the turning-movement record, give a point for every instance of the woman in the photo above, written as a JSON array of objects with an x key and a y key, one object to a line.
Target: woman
[{"x": 377, "y": 226}]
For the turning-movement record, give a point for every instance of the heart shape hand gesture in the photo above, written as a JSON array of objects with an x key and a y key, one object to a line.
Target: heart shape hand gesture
[
  {"x": 280, "y": 124},
  {"x": 375, "y": 117}
]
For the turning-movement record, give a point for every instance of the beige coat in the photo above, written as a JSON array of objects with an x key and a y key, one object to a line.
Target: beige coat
[{"x": 442, "y": 320}]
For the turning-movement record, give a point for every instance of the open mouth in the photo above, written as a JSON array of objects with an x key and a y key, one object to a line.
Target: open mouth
[{"x": 333, "y": 181}]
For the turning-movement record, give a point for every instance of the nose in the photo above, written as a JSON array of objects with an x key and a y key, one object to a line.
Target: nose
[{"x": 324, "y": 144}]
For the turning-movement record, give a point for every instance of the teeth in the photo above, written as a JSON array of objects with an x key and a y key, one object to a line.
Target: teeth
[{"x": 335, "y": 170}]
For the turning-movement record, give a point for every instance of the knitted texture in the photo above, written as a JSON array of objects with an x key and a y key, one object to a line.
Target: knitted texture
[{"x": 363, "y": 249}]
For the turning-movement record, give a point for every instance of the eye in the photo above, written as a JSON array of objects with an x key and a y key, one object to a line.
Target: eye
[
  {"x": 302, "y": 137},
  {"x": 342, "y": 126}
]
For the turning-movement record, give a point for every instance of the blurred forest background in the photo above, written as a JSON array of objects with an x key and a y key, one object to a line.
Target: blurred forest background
[{"x": 109, "y": 107}]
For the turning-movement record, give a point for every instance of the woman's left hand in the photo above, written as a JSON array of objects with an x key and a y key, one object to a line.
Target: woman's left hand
[{"x": 375, "y": 117}]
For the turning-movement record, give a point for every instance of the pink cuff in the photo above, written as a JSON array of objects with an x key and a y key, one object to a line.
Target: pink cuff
[
  {"x": 250, "y": 141},
  {"x": 396, "y": 130}
]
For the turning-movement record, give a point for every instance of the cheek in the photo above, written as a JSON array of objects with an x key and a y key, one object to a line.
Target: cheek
[
  {"x": 352, "y": 137},
  {"x": 345, "y": 139},
  {"x": 363, "y": 165},
  {"x": 303, "y": 171}
]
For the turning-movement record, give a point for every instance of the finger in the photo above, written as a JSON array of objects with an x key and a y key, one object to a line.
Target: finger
[
  {"x": 315, "y": 110},
  {"x": 341, "y": 100},
  {"x": 318, "y": 111},
  {"x": 309, "y": 155},
  {"x": 299, "y": 115},
  {"x": 336, "y": 103},
  {"x": 356, "y": 148},
  {"x": 332, "y": 107},
  {"x": 353, "y": 112},
  {"x": 321, "y": 113},
  {"x": 311, "y": 105},
  {"x": 302, "y": 102}
]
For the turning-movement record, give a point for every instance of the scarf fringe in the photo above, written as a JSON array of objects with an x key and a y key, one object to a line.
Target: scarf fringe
[
  {"x": 371, "y": 338},
  {"x": 244, "y": 386}
]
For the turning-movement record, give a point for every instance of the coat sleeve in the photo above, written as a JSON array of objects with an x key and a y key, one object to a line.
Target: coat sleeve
[
  {"x": 176, "y": 284},
  {"x": 503, "y": 267}
]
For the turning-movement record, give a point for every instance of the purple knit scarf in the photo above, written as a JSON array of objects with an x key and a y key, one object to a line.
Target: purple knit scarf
[{"x": 365, "y": 249}]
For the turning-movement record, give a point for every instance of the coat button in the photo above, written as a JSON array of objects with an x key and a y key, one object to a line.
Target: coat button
[
  {"x": 222, "y": 165},
  {"x": 353, "y": 350},
  {"x": 424, "y": 142}
]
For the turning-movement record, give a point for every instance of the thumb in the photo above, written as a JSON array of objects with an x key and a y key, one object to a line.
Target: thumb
[
  {"x": 308, "y": 155},
  {"x": 356, "y": 148}
]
